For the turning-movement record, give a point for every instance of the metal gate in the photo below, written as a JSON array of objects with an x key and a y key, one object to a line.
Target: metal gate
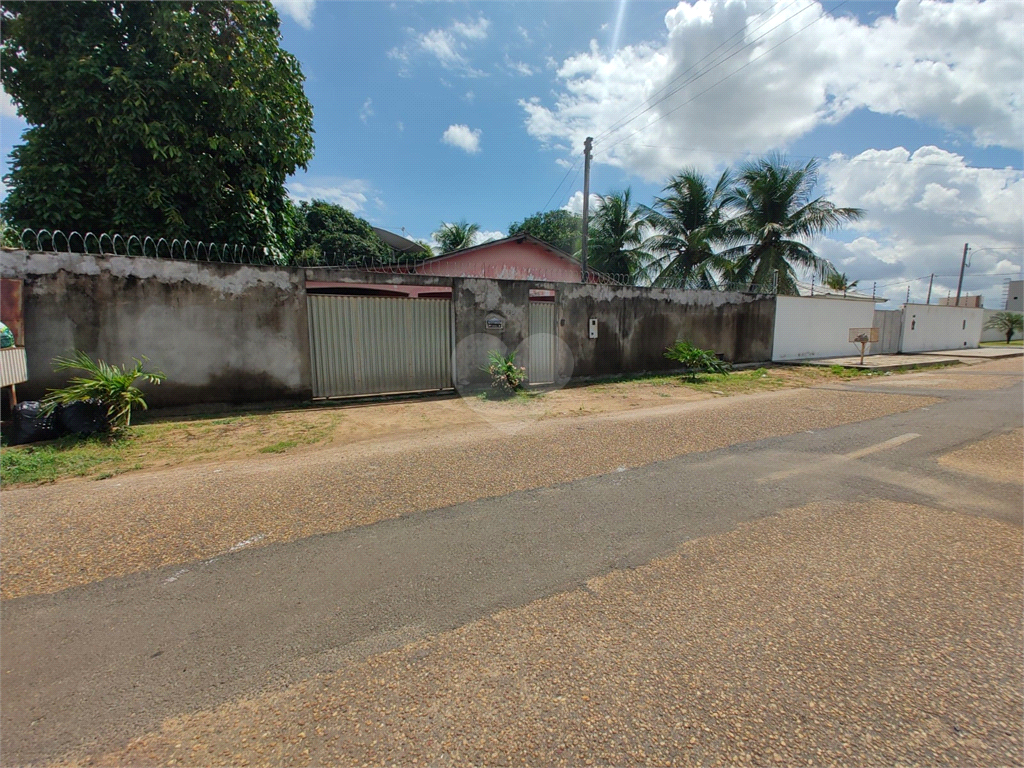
[
  {"x": 542, "y": 343},
  {"x": 363, "y": 345},
  {"x": 889, "y": 323}
]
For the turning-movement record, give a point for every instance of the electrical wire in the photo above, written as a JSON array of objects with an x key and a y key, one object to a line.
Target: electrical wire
[
  {"x": 719, "y": 82},
  {"x": 623, "y": 121},
  {"x": 568, "y": 171}
]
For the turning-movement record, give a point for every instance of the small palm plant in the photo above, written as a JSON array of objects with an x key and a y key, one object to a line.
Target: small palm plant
[
  {"x": 506, "y": 377},
  {"x": 1007, "y": 323},
  {"x": 695, "y": 360},
  {"x": 111, "y": 385}
]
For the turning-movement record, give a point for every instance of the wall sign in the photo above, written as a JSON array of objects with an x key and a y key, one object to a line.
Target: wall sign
[{"x": 495, "y": 323}]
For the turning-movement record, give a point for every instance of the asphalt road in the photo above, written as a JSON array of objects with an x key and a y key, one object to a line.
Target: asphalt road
[{"x": 108, "y": 660}]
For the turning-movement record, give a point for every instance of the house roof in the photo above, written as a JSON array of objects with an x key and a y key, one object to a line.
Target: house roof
[{"x": 521, "y": 237}]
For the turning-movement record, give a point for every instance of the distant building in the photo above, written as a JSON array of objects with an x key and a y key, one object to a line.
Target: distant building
[
  {"x": 1015, "y": 296},
  {"x": 965, "y": 301}
]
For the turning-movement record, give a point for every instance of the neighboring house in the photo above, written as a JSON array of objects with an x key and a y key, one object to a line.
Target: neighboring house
[
  {"x": 1015, "y": 296},
  {"x": 519, "y": 257}
]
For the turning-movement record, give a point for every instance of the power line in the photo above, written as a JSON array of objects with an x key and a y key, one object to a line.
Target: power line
[
  {"x": 907, "y": 281},
  {"x": 623, "y": 121},
  {"x": 568, "y": 171},
  {"x": 731, "y": 74}
]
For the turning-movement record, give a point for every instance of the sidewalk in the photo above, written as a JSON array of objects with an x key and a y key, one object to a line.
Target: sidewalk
[{"x": 920, "y": 360}]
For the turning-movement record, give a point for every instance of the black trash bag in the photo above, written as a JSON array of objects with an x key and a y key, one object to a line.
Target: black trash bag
[
  {"x": 29, "y": 427},
  {"x": 82, "y": 417}
]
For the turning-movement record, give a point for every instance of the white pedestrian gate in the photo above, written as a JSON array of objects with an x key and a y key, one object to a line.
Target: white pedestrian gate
[
  {"x": 541, "y": 343},
  {"x": 363, "y": 345}
]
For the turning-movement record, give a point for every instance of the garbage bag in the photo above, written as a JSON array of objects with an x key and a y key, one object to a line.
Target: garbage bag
[
  {"x": 6, "y": 337},
  {"x": 83, "y": 417},
  {"x": 28, "y": 426}
]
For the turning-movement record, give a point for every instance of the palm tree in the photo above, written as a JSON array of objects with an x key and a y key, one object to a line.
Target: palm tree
[
  {"x": 617, "y": 239},
  {"x": 774, "y": 213},
  {"x": 456, "y": 236},
  {"x": 687, "y": 221},
  {"x": 838, "y": 281},
  {"x": 1007, "y": 323}
]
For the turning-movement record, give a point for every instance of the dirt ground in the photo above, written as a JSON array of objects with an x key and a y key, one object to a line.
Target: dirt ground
[{"x": 170, "y": 439}]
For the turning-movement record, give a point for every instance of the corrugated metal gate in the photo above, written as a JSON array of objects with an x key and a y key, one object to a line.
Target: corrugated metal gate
[
  {"x": 542, "y": 343},
  {"x": 889, "y": 323},
  {"x": 363, "y": 345}
]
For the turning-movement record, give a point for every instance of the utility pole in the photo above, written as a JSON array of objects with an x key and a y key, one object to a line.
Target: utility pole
[
  {"x": 586, "y": 204},
  {"x": 930, "y": 281},
  {"x": 908, "y": 295},
  {"x": 963, "y": 261}
]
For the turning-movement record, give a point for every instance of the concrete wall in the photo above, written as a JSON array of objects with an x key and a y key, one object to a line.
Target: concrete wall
[
  {"x": 993, "y": 335},
  {"x": 809, "y": 327},
  {"x": 931, "y": 327},
  {"x": 474, "y": 302},
  {"x": 1015, "y": 296},
  {"x": 220, "y": 332},
  {"x": 635, "y": 325}
]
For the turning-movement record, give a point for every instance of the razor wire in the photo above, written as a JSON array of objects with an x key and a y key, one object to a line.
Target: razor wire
[{"x": 184, "y": 249}]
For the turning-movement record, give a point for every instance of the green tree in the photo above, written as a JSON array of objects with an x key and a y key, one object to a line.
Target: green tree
[
  {"x": 688, "y": 220},
  {"x": 616, "y": 237},
  {"x": 1007, "y": 323},
  {"x": 773, "y": 214},
  {"x": 326, "y": 233},
  {"x": 838, "y": 281},
  {"x": 456, "y": 236},
  {"x": 173, "y": 119},
  {"x": 562, "y": 229}
]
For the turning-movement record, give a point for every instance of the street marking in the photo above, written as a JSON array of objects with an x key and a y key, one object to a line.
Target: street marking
[
  {"x": 246, "y": 543},
  {"x": 859, "y": 454}
]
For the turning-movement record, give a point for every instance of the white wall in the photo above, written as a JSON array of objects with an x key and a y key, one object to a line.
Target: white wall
[
  {"x": 931, "y": 327},
  {"x": 993, "y": 335},
  {"x": 809, "y": 327}
]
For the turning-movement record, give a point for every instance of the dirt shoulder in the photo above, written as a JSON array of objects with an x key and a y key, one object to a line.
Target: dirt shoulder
[{"x": 163, "y": 441}]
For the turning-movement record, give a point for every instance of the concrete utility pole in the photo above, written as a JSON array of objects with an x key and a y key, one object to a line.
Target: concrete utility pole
[
  {"x": 930, "y": 281},
  {"x": 586, "y": 205},
  {"x": 960, "y": 284}
]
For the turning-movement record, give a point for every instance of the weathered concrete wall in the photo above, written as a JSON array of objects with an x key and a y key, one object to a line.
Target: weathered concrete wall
[
  {"x": 809, "y": 327},
  {"x": 635, "y": 325},
  {"x": 474, "y": 302},
  {"x": 220, "y": 332}
]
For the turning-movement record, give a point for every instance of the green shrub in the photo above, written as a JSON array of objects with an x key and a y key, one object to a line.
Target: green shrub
[
  {"x": 695, "y": 360},
  {"x": 506, "y": 377},
  {"x": 113, "y": 386}
]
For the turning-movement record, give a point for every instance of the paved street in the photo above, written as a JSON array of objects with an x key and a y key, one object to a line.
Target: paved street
[{"x": 824, "y": 576}]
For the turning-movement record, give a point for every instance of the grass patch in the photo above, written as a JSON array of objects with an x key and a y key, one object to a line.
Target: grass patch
[
  {"x": 66, "y": 457},
  {"x": 280, "y": 447},
  {"x": 1003, "y": 344}
]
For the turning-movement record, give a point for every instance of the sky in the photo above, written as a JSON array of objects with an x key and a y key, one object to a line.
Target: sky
[{"x": 434, "y": 112}]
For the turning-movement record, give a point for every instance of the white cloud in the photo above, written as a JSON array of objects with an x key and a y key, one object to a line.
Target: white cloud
[
  {"x": 488, "y": 236},
  {"x": 575, "y": 203},
  {"x": 463, "y": 137},
  {"x": 957, "y": 64},
  {"x": 920, "y": 208},
  {"x": 524, "y": 34},
  {"x": 301, "y": 11},
  {"x": 448, "y": 46},
  {"x": 367, "y": 111},
  {"x": 474, "y": 30},
  {"x": 352, "y": 194},
  {"x": 7, "y": 107},
  {"x": 469, "y": 96},
  {"x": 401, "y": 126},
  {"x": 519, "y": 67}
]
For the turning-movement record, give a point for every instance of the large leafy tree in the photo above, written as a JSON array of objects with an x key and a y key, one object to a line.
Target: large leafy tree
[
  {"x": 774, "y": 214},
  {"x": 616, "y": 237},
  {"x": 456, "y": 235},
  {"x": 562, "y": 229},
  {"x": 326, "y": 233},
  {"x": 688, "y": 221},
  {"x": 173, "y": 119}
]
